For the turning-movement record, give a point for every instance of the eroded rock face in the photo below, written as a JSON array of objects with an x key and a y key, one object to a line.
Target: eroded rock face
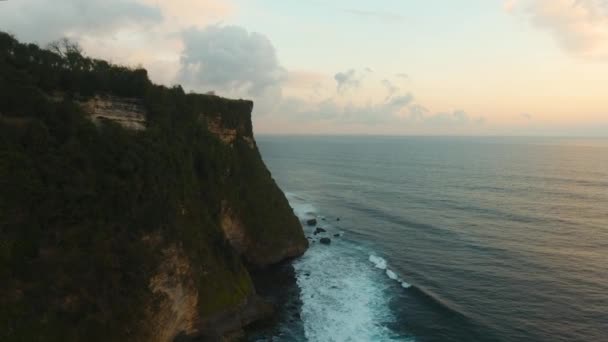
[
  {"x": 256, "y": 246},
  {"x": 233, "y": 229},
  {"x": 128, "y": 112},
  {"x": 229, "y": 135},
  {"x": 225, "y": 134},
  {"x": 173, "y": 285}
]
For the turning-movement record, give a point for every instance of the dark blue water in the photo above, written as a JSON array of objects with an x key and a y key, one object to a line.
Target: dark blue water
[{"x": 449, "y": 239}]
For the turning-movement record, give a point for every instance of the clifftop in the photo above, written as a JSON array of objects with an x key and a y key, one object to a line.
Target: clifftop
[{"x": 129, "y": 211}]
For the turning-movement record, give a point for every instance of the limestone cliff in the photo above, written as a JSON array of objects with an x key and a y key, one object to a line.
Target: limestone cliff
[
  {"x": 128, "y": 112},
  {"x": 128, "y": 211},
  {"x": 264, "y": 233},
  {"x": 259, "y": 246}
]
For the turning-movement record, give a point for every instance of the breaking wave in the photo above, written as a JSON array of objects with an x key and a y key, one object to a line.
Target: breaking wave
[{"x": 344, "y": 297}]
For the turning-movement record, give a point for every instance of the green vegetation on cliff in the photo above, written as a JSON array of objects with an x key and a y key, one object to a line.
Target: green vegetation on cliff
[{"x": 87, "y": 210}]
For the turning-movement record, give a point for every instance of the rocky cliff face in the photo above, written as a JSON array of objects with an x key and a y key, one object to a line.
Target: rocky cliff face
[
  {"x": 127, "y": 112},
  {"x": 177, "y": 308},
  {"x": 176, "y": 311},
  {"x": 269, "y": 242},
  {"x": 260, "y": 247},
  {"x": 129, "y": 211}
]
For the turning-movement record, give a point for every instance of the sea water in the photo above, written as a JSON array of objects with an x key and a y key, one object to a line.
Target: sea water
[{"x": 447, "y": 239}]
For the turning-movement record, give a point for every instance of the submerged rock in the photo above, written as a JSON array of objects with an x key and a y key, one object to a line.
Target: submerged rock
[
  {"x": 337, "y": 235},
  {"x": 325, "y": 241},
  {"x": 319, "y": 230},
  {"x": 311, "y": 222}
]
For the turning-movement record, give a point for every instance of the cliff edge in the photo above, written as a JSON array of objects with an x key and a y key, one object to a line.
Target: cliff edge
[{"x": 129, "y": 211}]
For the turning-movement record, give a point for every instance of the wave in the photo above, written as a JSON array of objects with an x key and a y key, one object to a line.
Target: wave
[
  {"x": 343, "y": 296},
  {"x": 382, "y": 264}
]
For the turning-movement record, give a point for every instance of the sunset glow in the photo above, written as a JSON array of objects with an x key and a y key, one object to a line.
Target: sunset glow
[{"x": 514, "y": 67}]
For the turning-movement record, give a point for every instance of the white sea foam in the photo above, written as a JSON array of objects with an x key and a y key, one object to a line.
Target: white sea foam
[
  {"x": 391, "y": 275},
  {"x": 378, "y": 262},
  {"x": 381, "y": 263},
  {"x": 343, "y": 297}
]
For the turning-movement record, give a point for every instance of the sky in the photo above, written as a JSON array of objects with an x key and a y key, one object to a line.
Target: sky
[{"x": 387, "y": 67}]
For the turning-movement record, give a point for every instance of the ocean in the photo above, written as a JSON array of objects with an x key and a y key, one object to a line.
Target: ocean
[{"x": 445, "y": 239}]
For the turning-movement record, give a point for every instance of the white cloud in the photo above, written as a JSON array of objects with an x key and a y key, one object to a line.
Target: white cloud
[
  {"x": 579, "y": 26},
  {"x": 45, "y": 20},
  {"x": 131, "y": 32},
  {"x": 230, "y": 60},
  {"x": 400, "y": 111}
]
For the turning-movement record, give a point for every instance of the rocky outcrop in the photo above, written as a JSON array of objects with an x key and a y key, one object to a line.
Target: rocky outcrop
[
  {"x": 311, "y": 222},
  {"x": 319, "y": 231},
  {"x": 174, "y": 313},
  {"x": 233, "y": 229},
  {"x": 265, "y": 247},
  {"x": 176, "y": 294},
  {"x": 127, "y": 112},
  {"x": 231, "y": 129},
  {"x": 258, "y": 221},
  {"x": 325, "y": 241}
]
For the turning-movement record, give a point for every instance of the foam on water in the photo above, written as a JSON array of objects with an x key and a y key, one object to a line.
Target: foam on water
[
  {"x": 343, "y": 297},
  {"x": 302, "y": 209},
  {"x": 378, "y": 262},
  {"x": 383, "y": 265}
]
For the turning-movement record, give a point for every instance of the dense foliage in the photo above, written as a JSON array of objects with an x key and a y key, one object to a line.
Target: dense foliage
[{"x": 77, "y": 200}]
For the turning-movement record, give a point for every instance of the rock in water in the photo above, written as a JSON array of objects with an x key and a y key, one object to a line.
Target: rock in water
[
  {"x": 325, "y": 241},
  {"x": 311, "y": 222},
  {"x": 319, "y": 230}
]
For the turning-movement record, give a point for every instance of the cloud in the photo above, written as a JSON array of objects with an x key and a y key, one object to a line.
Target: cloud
[
  {"x": 45, "y": 20},
  {"x": 400, "y": 111},
  {"x": 347, "y": 80},
  {"x": 189, "y": 13},
  {"x": 231, "y": 61},
  {"x": 403, "y": 76},
  {"x": 130, "y": 32},
  {"x": 399, "y": 102},
  {"x": 391, "y": 89},
  {"x": 579, "y": 26},
  {"x": 176, "y": 42},
  {"x": 348, "y": 106},
  {"x": 526, "y": 116},
  {"x": 454, "y": 118},
  {"x": 382, "y": 16}
]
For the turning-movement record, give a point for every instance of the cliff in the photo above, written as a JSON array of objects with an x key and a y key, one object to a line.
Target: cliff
[{"x": 128, "y": 211}]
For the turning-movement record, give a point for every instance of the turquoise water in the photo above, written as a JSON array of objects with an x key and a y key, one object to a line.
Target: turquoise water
[{"x": 448, "y": 239}]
